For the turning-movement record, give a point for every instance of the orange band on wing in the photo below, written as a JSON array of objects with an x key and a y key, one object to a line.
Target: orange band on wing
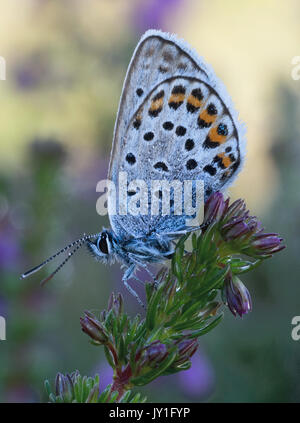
[
  {"x": 193, "y": 101},
  {"x": 207, "y": 118},
  {"x": 215, "y": 137},
  {"x": 226, "y": 160}
]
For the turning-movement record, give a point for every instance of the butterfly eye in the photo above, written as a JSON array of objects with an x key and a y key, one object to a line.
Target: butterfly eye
[{"x": 103, "y": 247}]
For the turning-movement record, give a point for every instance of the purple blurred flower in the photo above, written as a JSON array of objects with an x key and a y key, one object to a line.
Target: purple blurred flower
[
  {"x": 105, "y": 374},
  {"x": 153, "y": 13},
  {"x": 19, "y": 394},
  {"x": 31, "y": 71},
  {"x": 198, "y": 381},
  {"x": 3, "y": 307},
  {"x": 9, "y": 249}
]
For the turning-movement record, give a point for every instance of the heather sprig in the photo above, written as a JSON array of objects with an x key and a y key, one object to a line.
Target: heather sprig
[
  {"x": 75, "y": 388},
  {"x": 183, "y": 304}
]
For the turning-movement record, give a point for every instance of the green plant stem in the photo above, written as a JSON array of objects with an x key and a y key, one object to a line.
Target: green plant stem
[{"x": 121, "y": 382}]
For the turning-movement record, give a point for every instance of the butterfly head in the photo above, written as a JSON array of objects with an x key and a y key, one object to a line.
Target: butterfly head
[{"x": 102, "y": 247}]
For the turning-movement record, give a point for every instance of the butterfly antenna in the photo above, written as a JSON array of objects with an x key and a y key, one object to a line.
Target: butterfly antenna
[
  {"x": 44, "y": 281},
  {"x": 40, "y": 266}
]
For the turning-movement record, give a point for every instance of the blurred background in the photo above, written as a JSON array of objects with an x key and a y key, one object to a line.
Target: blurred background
[{"x": 65, "y": 65}]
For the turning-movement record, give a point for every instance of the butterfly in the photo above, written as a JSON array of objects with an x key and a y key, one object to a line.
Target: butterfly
[{"x": 175, "y": 122}]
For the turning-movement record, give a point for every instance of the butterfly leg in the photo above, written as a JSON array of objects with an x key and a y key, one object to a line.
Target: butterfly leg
[
  {"x": 145, "y": 266},
  {"x": 151, "y": 274},
  {"x": 184, "y": 231},
  {"x": 128, "y": 273}
]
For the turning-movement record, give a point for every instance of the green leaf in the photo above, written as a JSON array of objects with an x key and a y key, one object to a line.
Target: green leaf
[
  {"x": 152, "y": 311},
  {"x": 191, "y": 309},
  {"x": 113, "y": 397},
  {"x": 215, "y": 278},
  {"x": 105, "y": 394},
  {"x": 47, "y": 387},
  {"x": 125, "y": 397},
  {"x": 93, "y": 395},
  {"x": 140, "y": 331},
  {"x": 138, "y": 399},
  {"x": 52, "y": 398},
  {"x": 132, "y": 355},
  {"x": 176, "y": 369},
  {"x": 239, "y": 266},
  {"x": 109, "y": 357},
  {"x": 207, "y": 328},
  {"x": 121, "y": 349},
  {"x": 194, "y": 241}
]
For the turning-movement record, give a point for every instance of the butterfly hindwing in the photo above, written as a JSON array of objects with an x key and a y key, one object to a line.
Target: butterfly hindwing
[{"x": 174, "y": 122}]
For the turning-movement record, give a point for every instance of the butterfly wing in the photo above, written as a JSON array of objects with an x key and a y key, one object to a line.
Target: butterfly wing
[{"x": 175, "y": 121}]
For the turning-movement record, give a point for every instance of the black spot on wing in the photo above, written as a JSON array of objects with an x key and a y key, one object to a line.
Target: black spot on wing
[
  {"x": 163, "y": 69},
  {"x": 178, "y": 89},
  {"x": 168, "y": 126},
  {"x": 161, "y": 166},
  {"x": 222, "y": 129},
  {"x": 211, "y": 109},
  {"x": 210, "y": 169},
  {"x": 148, "y": 136},
  {"x": 203, "y": 124},
  {"x": 159, "y": 95},
  {"x": 139, "y": 92},
  {"x": 196, "y": 92},
  {"x": 189, "y": 144},
  {"x": 191, "y": 164},
  {"x": 137, "y": 123},
  {"x": 180, "y": 131},
  {"x": 210, "y": 144},
  {"x": 130, "y": 158}
]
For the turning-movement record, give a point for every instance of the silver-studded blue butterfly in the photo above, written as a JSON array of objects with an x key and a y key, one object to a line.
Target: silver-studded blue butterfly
[{"x": 175, "y": 121}]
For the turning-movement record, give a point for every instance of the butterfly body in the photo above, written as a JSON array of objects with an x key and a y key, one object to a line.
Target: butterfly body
[{"x": 137, "y": 251}]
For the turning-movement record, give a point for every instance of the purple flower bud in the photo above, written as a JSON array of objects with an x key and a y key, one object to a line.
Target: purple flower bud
[
  {"x": 214, "y": 208},
  {"x": 186, "y": 349},
  {"x": 237, "y": 227},
  {"x": 115, "y": 303},
  {"x": 237, "y": 208},
  {"x": 267, "y": 243},
  {"x": 154, "y": 353},
  {"x": 237, "y": 296},
  {"x": 92, "y": 327},
  {"x": 64, "y": 387},
  {"x": 236, "y": 231}
]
